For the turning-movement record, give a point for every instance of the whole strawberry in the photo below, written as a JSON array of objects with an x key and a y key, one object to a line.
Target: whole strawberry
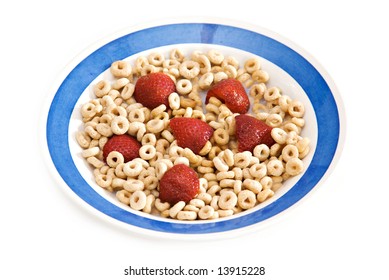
[
  {"x": 179, "y": 183},
  {"x": 251, "y": 132},
  {"x": 191, "y": 133},
  {"x": 124, "y": 144},
  {"x": 154, "y": 89},
  {"x": 232, "y": 93}
]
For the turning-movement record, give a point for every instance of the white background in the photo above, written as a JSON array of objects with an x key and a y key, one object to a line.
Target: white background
[{"x": 339, "y": 232}]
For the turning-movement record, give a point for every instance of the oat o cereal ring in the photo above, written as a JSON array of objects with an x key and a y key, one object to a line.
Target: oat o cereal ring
[
  {"x": 121, "y": 69},
  {"x": 104, "y": 180},
  {"x": 132, "y": 168},
  {"x": 246, "y": 199},
  {"x": 160, "y": 169},
  {"x": 147, "y": 152},
  {"x": 265, "y": 194},
  {"x": 230, "y": 60},
  {"x": 187, "y": 215},
  {"x": 120, "y": 83},
  {"x": 137, "y": 115},
  {"x": 133, "y": 185},
  {"x": 279, "y": 135},
  {"x": 170, "y": 63},
  {"x": 220, "y": 164},
  {"x": 215, "y": 57},
  {"x": 221, "y": 136},
  {"x": 90, "y": 152},
  {"x": 230, "y": 71},
  {"x": 123, "y": 196},
  {"x": 252, "y": 185},
  {"x": 266, "y": 182},
  {"x": 284, "y": 102},
  {"x": 219, "y": 76},
  {"x": 204, "y": 62},
  {"x": 260, "y": 76},
  {"x": 206, "y": 80},
  {"x": 184, "y": 86},
  {"x": 275, "y": 167},
  {"x": 102, "y": 88},
  {"x": 173, "y": 211},
  {"x": 258, "y": 170},
  {"x": 138, "y": 200},
  {"x": 289, "y": 152},
  {"x": 120, "y": 125},
  {"x": 149, "y": 139},
  {"x": 189, "y": 69},
  {"x": 272, "y": 94},
  {"x": 114, "y": 159},
  {"x": 156, "y": 59},
  {"x": 220, "y": 176},
  {"x": 227, "y": 200},
  {"x": 88, "y": 110},
  {"x": 161, "y": 206},
  {"x": 155, "y": 125},
  {"x": 177, "y": 54},
  {"x": 174, "y": 101},
  {"x": 296, "y": 109},
  {"x": 252, "y": 65},
  {"x": 206, "y": 212},
  {"x": 294, "y": 166},
  {"x": 225, "y": 213},
  {"x": 104, "y": 129},
  {"x": 242, "y": 159}
]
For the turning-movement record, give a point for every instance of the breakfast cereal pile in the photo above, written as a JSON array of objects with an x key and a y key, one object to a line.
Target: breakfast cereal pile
[{"x": 153, "y": 141}]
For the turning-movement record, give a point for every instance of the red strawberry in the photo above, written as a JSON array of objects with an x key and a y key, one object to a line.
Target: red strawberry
[
  {"x": 251, "y": 132},
  {"x": 191, "y": 133},
  {"x": 232, "y": 93},
  {"x": 154, "y": 89},
  {"x": 179, "y": 183},
  {"x": 124, "y": 144}
]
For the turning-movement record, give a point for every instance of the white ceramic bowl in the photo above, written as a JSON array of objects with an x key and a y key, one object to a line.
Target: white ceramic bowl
[{"x": 291, "y": 68}]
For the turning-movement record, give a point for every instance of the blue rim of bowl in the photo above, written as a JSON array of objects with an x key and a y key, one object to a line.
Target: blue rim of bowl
[{"x": 297, "y": 66}]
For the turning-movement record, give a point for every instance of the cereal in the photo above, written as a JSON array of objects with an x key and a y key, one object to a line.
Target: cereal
[
  {"x": 231, "y": 181},
  {"x": 138, "y": 200},
  {"x": 294, "y": 166},
  {"x": 215, "y": 57},
  {"x": 252, "y": 65},
  {"x": 133, "y": 185},
  {"x": 275, "y": 167},
  {"x": 252, "y": 185},
  {"x": 124, "y": 196},
  {"x": 296, "y": 109},
  {"x": 289, "y": 152},
  {"x": 173, "y": 211},
  {"x": 227, "y": 200},
  {"x": 132, "y": 168},
  {"x": 265, "y": 194},
  {"x": 102, "y": 88},
  {"x": 147, "y": 152},
  {"x": 187, "y": 215},
  {"x": 206, "y": 212},
  {"x": 246, "y": 199},
  {"x": 114, "y": 159},
  {"x": 174, "y": 101},
  {"x": 121, "y": 68},
  {"x": 189, "y": 69}
]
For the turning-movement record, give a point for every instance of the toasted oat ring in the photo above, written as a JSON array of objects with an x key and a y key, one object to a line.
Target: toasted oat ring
[
  {"x": 189, "y": 69},
  {"x": 121, "y": 69},
  {"x": 246, "y": 199}
]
